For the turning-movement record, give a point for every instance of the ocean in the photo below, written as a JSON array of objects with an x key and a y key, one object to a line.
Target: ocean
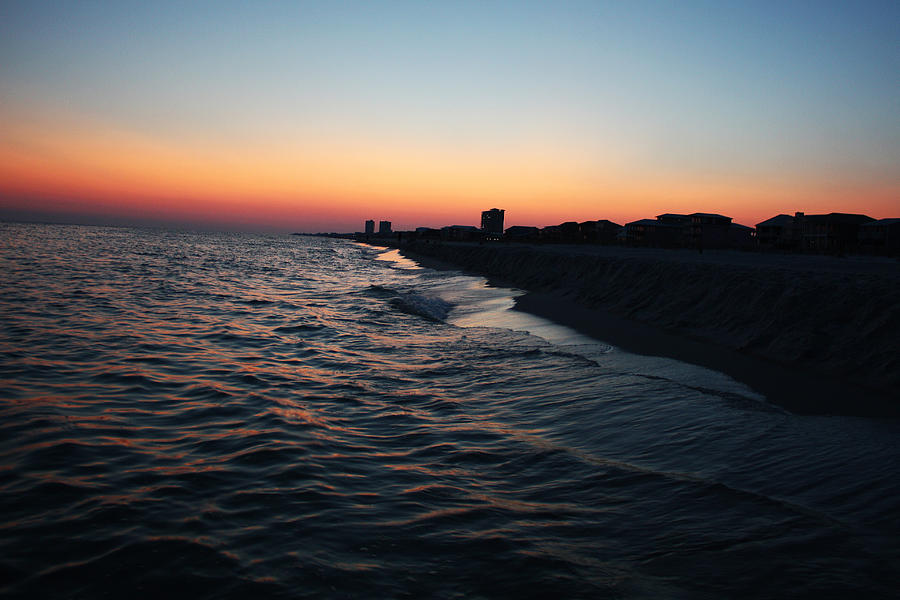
[{"x": 205, "y": 415}]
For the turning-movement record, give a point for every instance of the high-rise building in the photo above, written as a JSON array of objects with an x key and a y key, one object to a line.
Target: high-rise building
[
  {"x": 384, "y": 228},
  {"x": 492, "y": 222},
  {"x": 370, "y": 226}
]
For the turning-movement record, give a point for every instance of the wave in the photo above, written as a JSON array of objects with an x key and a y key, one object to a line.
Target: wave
[
  {"x": 379, "y": 291},
  {"x": 432, "y": 308},
  {"x": 428, "y": 307}
]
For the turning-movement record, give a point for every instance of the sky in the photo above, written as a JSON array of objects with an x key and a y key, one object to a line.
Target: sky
[{"x": 315, "y": 116}]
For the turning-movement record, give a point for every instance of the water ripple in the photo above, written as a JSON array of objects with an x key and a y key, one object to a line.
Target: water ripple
[{"x": 270, "y": 416}]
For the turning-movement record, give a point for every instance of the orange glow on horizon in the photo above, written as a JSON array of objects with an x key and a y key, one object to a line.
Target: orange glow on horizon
[{"x": 65, "y": 165}]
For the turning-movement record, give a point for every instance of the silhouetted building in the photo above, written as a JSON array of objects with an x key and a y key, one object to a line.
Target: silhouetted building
[
  {"x": 425, "y": 233},
  {"x": 370, "y": 226},
  {"x": 880, "y": 237},
  {"x": 781, "y": 232},
  {"x": 522, "y": 233},
  {"x": 550, "y": 233},
  {"x": 492, "y": 223},
  {"x": 677, "y": 230},
  {"x": 568, "y": 232},
  {"x": 460, "y": 233},
  {"x": 384, "y": 228},
  {"x": 741, "y": 237},
  {"x": 564, "y": 233},
  {"x": 598, "y": 232},
  {"x": 708, "y": 230},
  {"x": 587, "y": 231},
  {"x": 653, "y": 232},
  {"x": 834, "y": 232},
  {"x": 674, "y": 219}
]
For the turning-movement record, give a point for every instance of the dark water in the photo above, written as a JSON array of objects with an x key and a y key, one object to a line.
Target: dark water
[{"x": 209, "y": 416}]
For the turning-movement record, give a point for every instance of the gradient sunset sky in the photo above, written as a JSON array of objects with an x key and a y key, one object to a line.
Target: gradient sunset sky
[{"x": 297, "y": 116}]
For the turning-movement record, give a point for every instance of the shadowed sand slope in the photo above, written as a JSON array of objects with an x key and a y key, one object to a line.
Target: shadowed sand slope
[{"x": 831, "y": 316}]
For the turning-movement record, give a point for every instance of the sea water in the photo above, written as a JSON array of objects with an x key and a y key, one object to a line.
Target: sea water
[{"x": 229, "y": 415}]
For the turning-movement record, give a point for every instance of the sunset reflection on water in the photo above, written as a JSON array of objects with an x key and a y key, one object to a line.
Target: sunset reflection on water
[{"x": 236, "y": 415}]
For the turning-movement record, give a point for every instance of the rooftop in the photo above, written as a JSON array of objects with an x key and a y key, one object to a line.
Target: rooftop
[
  {"x": 890, "y": 221},
  {"x": 714, "y": 215},
  {"x": 777, "y": 220},
  {"x": 848, "y": 218}
]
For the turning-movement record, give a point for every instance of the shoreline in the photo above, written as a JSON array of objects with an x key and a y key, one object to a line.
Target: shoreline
[
  {"x": 555, "y": 297},
  {"x": 797, "y": 391}
]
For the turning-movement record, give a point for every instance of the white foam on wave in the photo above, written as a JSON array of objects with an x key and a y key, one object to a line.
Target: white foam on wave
[
  {"x": 469, "y": 301},
  {"x": 429, "y": 307},
  {"x": 399, "y": 261}
]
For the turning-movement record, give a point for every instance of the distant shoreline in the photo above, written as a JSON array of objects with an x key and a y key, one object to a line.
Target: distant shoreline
[{"x": 818, "y": 335}]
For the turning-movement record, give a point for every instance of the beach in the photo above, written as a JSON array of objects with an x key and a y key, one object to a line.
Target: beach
[{"x": 816, "y": 334}]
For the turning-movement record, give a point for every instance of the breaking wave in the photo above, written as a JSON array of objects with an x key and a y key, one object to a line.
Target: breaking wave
[{"x": 431, "y": 308}]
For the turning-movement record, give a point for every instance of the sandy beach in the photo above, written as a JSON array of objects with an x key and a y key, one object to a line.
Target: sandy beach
[{"x": 815, "y": 334}]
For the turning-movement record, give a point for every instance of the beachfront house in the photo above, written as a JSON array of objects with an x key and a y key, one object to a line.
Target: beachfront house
[
  {"x": 460, "y": 233},
  {"x": 880, "y": 237},
  {"x": 781, "y": 232},
  {"x": 521, "y": 233},
  {"x": 568, "y": 232},
  {"x": 673, "y": 221},
  {"x": 741, "y": 237},
  {"x": 427, "y": 233},
  {"x": 564, "y": 233},
  {"x": 708, "y": 230},
  {"x": 834, "y": 232},
  {"x": 550, "y": 233},
  {"x": 602, "y": 231},
  {"x": 653, "y": 232}
]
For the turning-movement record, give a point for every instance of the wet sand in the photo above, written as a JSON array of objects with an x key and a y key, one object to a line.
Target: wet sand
[{"x": 797, "y": 390}]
